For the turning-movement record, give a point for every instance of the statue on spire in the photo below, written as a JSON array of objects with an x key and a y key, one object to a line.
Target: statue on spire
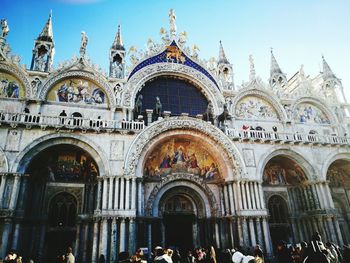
[
  {"x": 172, "y": 20},
  {"x": 252, "y": 68},
  {"x": 4, "y": 28},
  {"x": 83, "y": 44}
]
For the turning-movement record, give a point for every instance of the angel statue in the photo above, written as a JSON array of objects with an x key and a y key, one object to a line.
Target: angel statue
[
  {"x": 172, "y": 19},
  {"x": 151, "y": 46},
  {"x": 4, "y": 28},
  {"x": 133, "y": 55},
  {"x": 164, "y": 35},
  {"x": 182, "y": 38},
  {"x": 195, "y": 50},
  {"x": 83, "y": 44}
]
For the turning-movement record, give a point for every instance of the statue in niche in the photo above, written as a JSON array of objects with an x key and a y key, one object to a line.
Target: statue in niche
[
  {"x": 118, "y": 92},
  {"x": 138, "y": 106},
  {"x": 40, "y": 62},
  {"x": 83, "y": 44},
  {"x": 35, "y": 86},
  {"x": 117, "y": 70},
  {"x": 172, "y": 20},
  {"x": 157, "y": 112},
  {"x": 4, "y": 28}
]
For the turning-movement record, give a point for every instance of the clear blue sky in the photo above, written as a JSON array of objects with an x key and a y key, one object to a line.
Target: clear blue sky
[{"x": 299, "y": 31}]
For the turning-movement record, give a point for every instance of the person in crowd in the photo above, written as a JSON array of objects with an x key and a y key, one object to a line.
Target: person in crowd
[
  {"x": 282, "y": 253},
  {"x": 70, "y": 257}
]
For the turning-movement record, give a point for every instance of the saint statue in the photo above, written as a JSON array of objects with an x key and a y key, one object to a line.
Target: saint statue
[
  {"x": 117, "y": 70},
  {"x": 4, "y": 28},
  {"x": 40, "y": 62},
  {"x": 83, "y": 44},
  {"x": 172, "y": 19}
]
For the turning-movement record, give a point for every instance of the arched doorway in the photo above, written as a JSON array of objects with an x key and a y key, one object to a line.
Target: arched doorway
[
  {"x": 179, "y": 212},
  {"x": 338, "y": 175},
  {"x": 279, "y": 226},
  {"x": 62, "y": 218},
  {"x": 62, "y": 185}
]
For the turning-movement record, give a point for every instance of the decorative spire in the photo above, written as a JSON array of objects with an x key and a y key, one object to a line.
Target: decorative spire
[
  {"x": 222, "y": 56},
  {"x": 172, "y": 20},
  {"x": 118, "y": 41},
  {"x": 327, "y": 72},
  {"x": 252, "y": 73},
  {"x": 275, "y": 68},
  {"x": 46, "y": 34}
]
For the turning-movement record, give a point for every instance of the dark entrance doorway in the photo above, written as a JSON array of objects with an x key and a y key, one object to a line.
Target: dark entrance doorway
[
  {"x": 62, "y": 225},
  {"x": 179, "y": 230}
]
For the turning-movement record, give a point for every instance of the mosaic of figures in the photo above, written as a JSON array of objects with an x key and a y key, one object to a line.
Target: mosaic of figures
[
  {"x": 77, "y": 90},
  {"x": 10, "y": 87},
  {"x": 255, "y": 108},
  {"x": 338, "y": 177},
  {"x": 276, "y": 174},
  {"x": 181, "y": 155},
  {"x": 307, "y": 113},
  {"x": 66, "y": 165}
]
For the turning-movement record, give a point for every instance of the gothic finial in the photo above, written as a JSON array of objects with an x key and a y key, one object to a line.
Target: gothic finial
[
  {"x": 275, "y": 68},
  {"x": 46, "y": 34},
  {"x": 118, "y": 41},
  {"x": 4, "y": 28},
  {"x": 252, "y": 74},
  {"x": 327, "y": 72},
  {"x": 83, "y": 44},
  {"x": 172, "y": 20},
  {"x": 222, "y": 57}
]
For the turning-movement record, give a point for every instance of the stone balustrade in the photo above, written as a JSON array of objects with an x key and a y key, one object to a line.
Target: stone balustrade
[
  {"x": 281, "y": 137},
  {"x": 42, "y": 121}
]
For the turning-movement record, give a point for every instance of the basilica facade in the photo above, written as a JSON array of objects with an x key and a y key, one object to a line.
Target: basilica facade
[{"x": 164, "y": 149}]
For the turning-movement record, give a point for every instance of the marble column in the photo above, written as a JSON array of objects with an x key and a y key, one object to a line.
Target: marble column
[
  {"x": 339, "y": 235},
  {"x": 139, "y": 197},
  {"x": 294, "y": 230},
  {"x": 331, "y": 229},
  {"x": 14, "y": 192},
  {"x": 16, "y": 236},
  {"x": 116, "y": 193},
  {"x": 300, "y": 230},
  {"x": 2, "y": 188},
  {"x": 237, "y": 196},
  {"x": 217, "y": 234},
  {"x": 98, "y": 195},
  {"x": 226, "y": 201},
  {"x": 261, "y": 196},
  {"x": 245, "y": 232},
  {"x": 5, "y": 236},
  {"x": 95, "y": 243},
  {"x": 329, "y": 196},
  {"x": 121, "y": 204},
  {"x": 132, "y": 236},
  {"x": 240, "y": 230},
  {"x": 114, "y": 242},
  {"x": 110, "y": 193},
  {"x": 267, "y": 237},
  {"x": 133, "y": 194},
  {"x": 76, "y": 248},
  {"x": 231, "y": 199},
  {"x": 257, "y": 197},
  {"x": 320, "y": 196},
  {"x": 244, "y": 197},
  {"x": 252, "y": 232},
  {"x": 122, "y": 245},
  {"x": 104, "y": 194},
  {"x": 149, "y": 236},
  {"x": 127, "y": 193},
  {"x": 259, "y": 232},
  {"x": 84, "y": 242},
  {"x": 104, "y": 237},
  {"x": 249, "y": 201}
]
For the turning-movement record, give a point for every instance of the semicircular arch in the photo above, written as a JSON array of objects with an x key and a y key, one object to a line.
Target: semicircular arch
[
  {"x": 207, "y": 87},
  {"x": 293, "y": 155},
  {"x": 18, "y": 73},
  {"x": 318, "y": 104},
  {"x": 265, "y": 96},
  {"x": 100, "y": 80},
  {"x": 330, "y": 160},
  {"x": 30, "y": 151},
  {"x": 148, "y": 138}
]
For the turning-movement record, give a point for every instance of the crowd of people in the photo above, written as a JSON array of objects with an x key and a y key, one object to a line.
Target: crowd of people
[{"x": 314, "y": 251}]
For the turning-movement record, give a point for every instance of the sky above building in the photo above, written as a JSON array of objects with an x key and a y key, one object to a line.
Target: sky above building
[{"x": 299, "y": 31}]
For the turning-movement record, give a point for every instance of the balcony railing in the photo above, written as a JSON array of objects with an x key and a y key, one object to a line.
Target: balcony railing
[
  {"x": 269, "y": 136},
  {"x": 42, "y": 121}
]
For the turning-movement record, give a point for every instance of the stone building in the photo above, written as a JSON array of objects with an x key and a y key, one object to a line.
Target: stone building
[{"x": 166, "y": 150}]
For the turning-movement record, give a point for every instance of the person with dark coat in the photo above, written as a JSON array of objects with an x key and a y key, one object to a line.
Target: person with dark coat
[{"x": 282, "y": 254}]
